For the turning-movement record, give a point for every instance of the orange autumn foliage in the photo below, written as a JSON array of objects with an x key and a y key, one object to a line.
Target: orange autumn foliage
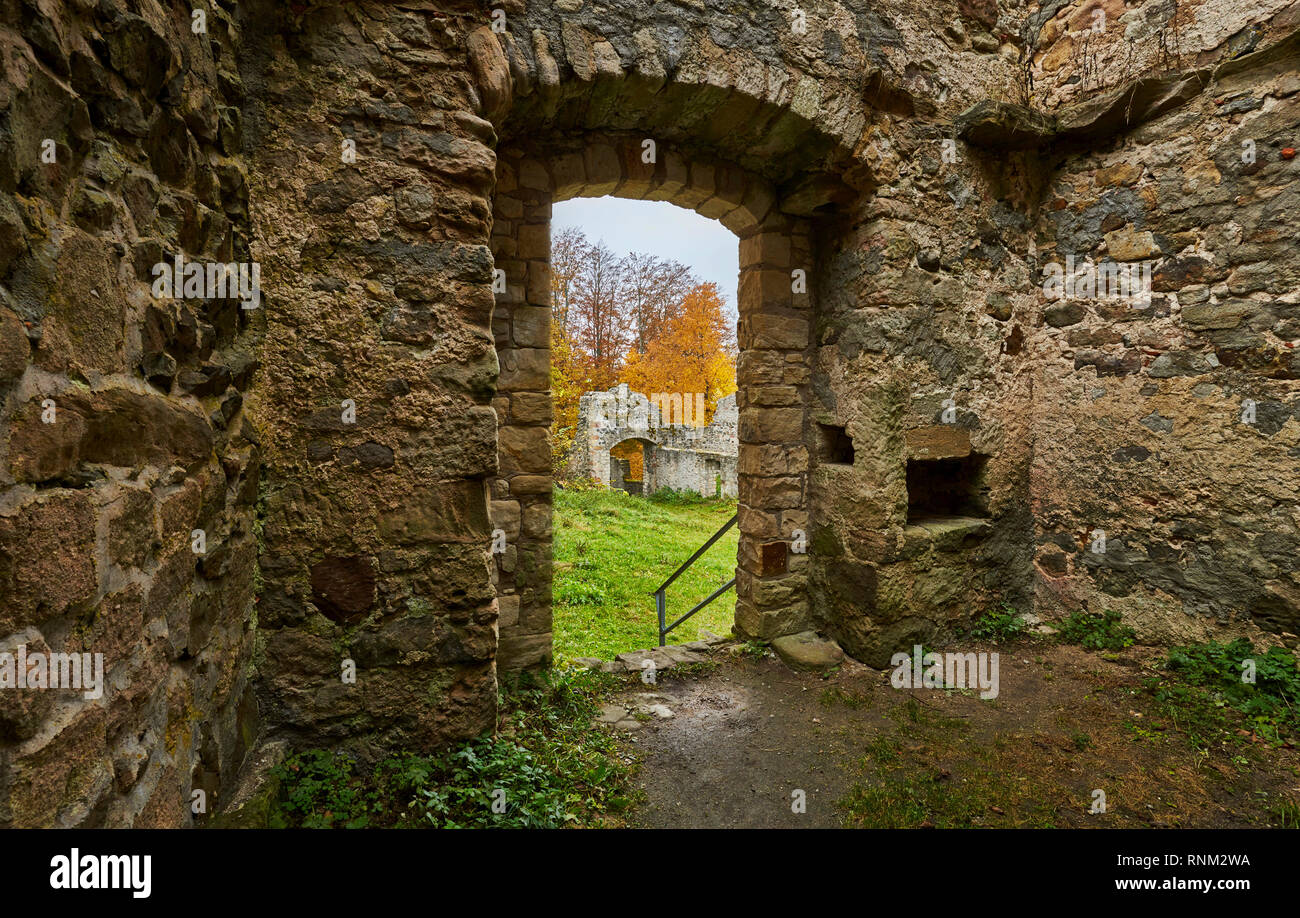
[
  {"x": 693, "y": 353},
  {"x": 640, "y": 320}
]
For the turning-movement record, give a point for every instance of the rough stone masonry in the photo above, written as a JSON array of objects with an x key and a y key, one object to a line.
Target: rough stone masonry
[
  {"x": 679, "y": 452},
  {"x": 234, "y": 505}
]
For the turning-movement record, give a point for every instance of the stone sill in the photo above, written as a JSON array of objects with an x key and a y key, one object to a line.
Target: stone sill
[{"x": 947, "y": 532}]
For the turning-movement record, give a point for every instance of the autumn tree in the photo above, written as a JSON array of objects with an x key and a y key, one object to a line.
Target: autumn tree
[
  {"x": 569, "y": 249},
  {"x": 653, "y": 288},
  {"x": 639, "y": 319},
  {"x": 694, "y": 352},
  {"x": 597, "y": 320}
]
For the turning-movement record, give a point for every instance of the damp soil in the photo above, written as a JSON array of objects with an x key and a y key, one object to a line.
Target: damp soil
[{"x": 747, "y": 735}]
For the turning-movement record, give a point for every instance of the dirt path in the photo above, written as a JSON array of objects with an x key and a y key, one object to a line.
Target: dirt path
[{"x": 748, "y": 733}]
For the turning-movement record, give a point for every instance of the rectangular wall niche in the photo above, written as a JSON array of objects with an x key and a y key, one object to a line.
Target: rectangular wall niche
[
  {"x": 834, "y": 445},
  {"x": 946, "y": 488}
]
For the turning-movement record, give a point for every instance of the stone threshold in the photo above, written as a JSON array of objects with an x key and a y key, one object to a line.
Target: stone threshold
[{"x": 662, "y": 658}]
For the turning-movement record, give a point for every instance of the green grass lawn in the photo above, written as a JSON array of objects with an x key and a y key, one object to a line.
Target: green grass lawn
[{"x": 612, "y": 550}]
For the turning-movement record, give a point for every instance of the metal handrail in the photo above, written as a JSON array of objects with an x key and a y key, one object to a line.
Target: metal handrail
[{"x": 661, "y": 596}]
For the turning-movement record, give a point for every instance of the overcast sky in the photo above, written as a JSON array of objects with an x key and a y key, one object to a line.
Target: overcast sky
[{"x": 658, "y": 228}]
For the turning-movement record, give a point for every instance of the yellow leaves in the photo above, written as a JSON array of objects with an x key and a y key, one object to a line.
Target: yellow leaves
[
  {"x": 692, "y": 353},
  {"x": 639, "y": 320}
]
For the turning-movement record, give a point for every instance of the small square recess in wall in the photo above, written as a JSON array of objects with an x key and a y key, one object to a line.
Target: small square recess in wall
[
  {"x": 772, "y": 559},
  {"x": 946, "y": 488},
  {"x": 834, "y": 445}
]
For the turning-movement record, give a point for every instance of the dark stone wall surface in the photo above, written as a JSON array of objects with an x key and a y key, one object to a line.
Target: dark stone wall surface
[
  {"x": 122, "y": 424},
  {"x": 371, "y": 183}
]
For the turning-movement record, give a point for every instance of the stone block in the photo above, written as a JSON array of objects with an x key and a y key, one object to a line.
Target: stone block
[
  {"x": 941, "y": 441},
  {"x": 771, "y": 425},
  {"x": 525, "y": 370},
  {"x": 808, "y": 650},
  {"x": 506, "y": 516},
  {"x": 776, "y": 493},
  {"x": 47, "y": 558},
  {"x": 531, "y": 326},
  {"x": 524, "y": 450}
]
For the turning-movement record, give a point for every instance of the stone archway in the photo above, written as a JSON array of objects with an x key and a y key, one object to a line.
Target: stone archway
[
  {"x": 774, "y": 370},
  {"x": 376, "y": 545},
  {"x": 735, "y": 132},
  {"x": 606, "y": 421}
]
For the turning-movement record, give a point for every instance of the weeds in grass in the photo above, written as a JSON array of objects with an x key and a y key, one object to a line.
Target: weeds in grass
[
  {"x": 690, "y": 670},
  {"x": 1202, "y": 683},
  {"x": 1096, "y": 631},
  {"x": 674, "y": 498},
  {"x": 834, "y": 695},
  {"x": 906, "y": 789},
  {"x": 548, "y": 767},
  {"x": 1286, "y": 814},
  {"x": 571, "y": 592},
  {"x": 882, "y": 749},
  {"x": 1000, "y": 626}
]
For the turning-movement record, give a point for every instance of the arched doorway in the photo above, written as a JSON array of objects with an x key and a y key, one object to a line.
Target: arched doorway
[
  {"x": 774, "y": 369},
  {"x": 630, "y": 465}
]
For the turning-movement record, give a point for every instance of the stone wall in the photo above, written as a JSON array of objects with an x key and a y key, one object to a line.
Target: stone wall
[
  {"x": 677, "y": 453},
  {"x": 705, "y": 472},
  {"x": 372, "y": 171},
  {"x": 1088, "y": 414},
  {"x": 122, "y": 424},
  {"x": 1172, "y": 427}
]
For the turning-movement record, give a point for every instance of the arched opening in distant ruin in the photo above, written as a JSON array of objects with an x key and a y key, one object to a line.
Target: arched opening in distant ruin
[{"x": 629, "y": 465}]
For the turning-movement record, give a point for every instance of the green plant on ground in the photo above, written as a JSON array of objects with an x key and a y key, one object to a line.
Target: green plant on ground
[
  {"x": 1095, "y": 631},
  {"x": 575, "y": 485},
  {"x": 903, "y": 787},
  {"x": 674, "y": 498},
  {"x": 1202, "y": 682},
  {"x": 691, "y": 670},
  {"x": 1000, "y": 625},
  {"x": 549, "y": 766},
  {"x": 910, "y": 800},
  {"x": 1286, "y": 813},
  {"x": 834, "y": 695},
  {"x": 319, "y": 790}
]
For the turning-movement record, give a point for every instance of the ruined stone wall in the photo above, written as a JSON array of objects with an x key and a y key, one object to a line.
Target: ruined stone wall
[
  {"x": 1172, "y": 426},
  {"x": 918, "y": 352},
  {"x": 122, "y": 429},
  {"x": 937, "y": 294},
  {"x": 700, "y": 459},
  {"x": 372, "y": 171},
  {"x": 709, "y": 474},
  {"x": 677, "y": 454}
]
